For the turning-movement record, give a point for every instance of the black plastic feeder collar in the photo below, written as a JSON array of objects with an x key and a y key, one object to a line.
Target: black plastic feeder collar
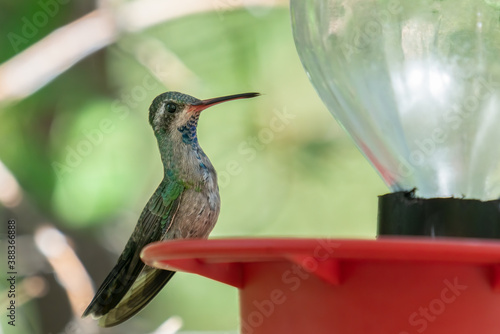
[{"x": 401, "y": 213}]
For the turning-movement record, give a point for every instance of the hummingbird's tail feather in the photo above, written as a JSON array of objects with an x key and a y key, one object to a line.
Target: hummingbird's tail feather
[
  {"x": 115, "y": 285},
  {"x": 145, "y": 288}
]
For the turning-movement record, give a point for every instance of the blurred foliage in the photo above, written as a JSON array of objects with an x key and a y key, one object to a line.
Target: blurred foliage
[{"x": 83, "y": 152}]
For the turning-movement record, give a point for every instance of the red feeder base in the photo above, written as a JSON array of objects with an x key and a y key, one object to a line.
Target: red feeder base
[{"x": 390, "y": 285}]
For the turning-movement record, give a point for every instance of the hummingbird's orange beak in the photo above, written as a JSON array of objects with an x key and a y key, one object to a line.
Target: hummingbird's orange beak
[{"x": 204, "y": 104}]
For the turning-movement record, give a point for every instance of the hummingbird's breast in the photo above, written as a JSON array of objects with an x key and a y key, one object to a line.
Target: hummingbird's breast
[{"x": 200, "y": 200}]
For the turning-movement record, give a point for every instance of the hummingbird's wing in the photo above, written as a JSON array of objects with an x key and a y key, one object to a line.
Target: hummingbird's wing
[{"x": 124, "y": 280}]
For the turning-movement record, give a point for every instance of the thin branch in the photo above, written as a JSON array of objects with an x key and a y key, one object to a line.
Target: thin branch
[{"x": 36, "y": 66}]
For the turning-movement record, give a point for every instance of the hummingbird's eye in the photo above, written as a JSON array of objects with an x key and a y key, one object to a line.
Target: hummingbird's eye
[{"x": 171, "y": 107}]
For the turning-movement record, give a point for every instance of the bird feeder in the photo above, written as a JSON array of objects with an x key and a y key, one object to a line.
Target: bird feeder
[{"x": 416, "y": 84}]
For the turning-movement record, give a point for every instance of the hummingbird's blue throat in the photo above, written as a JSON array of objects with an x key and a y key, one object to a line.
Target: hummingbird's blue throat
[{"x": 188, "y": 131}]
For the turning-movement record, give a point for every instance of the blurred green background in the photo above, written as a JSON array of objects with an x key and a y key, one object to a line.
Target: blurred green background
[{"x": 86, "y": 161}]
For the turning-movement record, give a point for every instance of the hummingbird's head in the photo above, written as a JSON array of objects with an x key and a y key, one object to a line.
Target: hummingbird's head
[{"x": 173, "y": 112}]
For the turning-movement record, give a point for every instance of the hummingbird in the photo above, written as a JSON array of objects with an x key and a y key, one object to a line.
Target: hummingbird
[{"x": 185, "y": 205}]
